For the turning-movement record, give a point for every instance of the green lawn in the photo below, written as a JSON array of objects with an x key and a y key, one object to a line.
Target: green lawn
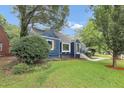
[
  {"x": 102, "y": 55},
  {"x": 69, "y": 73}
]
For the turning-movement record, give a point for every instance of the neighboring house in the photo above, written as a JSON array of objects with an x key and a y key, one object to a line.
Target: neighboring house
[
  {"x": 61, "y": 45},
  {"x": 4, "y": 43}
]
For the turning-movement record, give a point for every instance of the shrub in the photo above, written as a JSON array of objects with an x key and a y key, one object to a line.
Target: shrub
[
  {"x": 14, "y": 40},
  {"x": 20, "y": 68},
  {"x": 30, "y": 49},
  {"x": 89, "y": 53}
]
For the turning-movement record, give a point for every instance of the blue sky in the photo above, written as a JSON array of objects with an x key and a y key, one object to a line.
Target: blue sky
[{"x": 79, "y": 16}]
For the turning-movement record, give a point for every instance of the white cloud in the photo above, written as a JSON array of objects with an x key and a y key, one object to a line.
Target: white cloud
[{"x": 75, "y": 26}]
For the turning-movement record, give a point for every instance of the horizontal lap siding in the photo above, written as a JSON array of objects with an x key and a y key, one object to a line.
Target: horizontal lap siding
[
  {"x": 56, "y": 52},
  {"x": 4, "y": 40}
]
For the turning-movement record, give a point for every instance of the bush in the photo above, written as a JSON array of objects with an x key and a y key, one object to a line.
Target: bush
[
  {"x": 30, "y": 49},
  {"x": 89, "y": 53},
  {"x": 14, "y": 40},
  {"x": 20, "y": 68}
]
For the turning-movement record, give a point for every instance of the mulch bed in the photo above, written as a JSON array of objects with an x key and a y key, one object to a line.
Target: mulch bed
[
  {"x": 6, "y": 64},
  {"x": 115, "y": 68},
  {"x": 7, "y": 71}
]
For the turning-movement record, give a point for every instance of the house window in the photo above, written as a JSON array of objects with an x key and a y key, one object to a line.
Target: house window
[
  {"x": 1, "y": 46},
  {"x": 51, "y": 43},
  {"x": 66, "y": 47},
  {"x": 78, "y": 48}
]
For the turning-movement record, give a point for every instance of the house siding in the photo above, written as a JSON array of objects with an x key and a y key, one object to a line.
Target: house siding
[
  {"x": 55, "y": 53},
  {"x": 5, "y": 43},
  {"x": 59, "y": 39}
]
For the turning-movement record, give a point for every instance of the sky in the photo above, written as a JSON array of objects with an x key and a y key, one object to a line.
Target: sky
[{"x": 78, "y": 17}]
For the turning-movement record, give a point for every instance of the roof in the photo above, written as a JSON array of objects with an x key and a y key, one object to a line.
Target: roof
[
  {"x": 64, "y": 38},
  {"x": 45, "y": 32},
  {"x": 54, "y": 34}
]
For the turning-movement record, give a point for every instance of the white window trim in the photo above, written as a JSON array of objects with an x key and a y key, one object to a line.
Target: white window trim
[
  {"x": 78, "y": 52},
  {"x": 52, "y": 43},
  {"x": 1, "y": 46},
  {"x": 66, "y": 50}
]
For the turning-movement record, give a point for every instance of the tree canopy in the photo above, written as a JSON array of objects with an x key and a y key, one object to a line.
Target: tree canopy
[
  {"x": 12, "y": 30},
  {"x": 110, "y": 21},
  {"x": 2, "y": 20},
  {"x": 92, "y": 37},
  {"x": 52, "y": 16}
]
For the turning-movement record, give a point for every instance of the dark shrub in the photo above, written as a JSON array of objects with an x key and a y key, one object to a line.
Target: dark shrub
[
  {"x": 92, "y": 51},
  {"x": 89, "y": 53},
  {"x": 30, "y": 49},
  {"x": 20, "y": 68}
]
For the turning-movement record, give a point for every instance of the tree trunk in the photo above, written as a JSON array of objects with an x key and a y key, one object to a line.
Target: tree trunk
[
  {"x": 99, "y": 49},
  {"x": 114, "y": 59},
  {"x": 24, "y": 27},
  {"x": 23, "y": 32}
]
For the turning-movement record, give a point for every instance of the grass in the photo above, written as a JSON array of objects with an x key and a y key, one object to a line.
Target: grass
[
  {"x": 102, "y": 55},
  {"x": 68, "y": 73}
]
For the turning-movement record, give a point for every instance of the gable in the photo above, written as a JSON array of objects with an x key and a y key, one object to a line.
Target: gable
[
  {"x": 45, "y": 33},
  {"x": 63, "y": 37}
]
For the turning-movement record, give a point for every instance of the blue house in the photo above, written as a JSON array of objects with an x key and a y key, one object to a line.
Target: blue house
[{"x": 61, "y": 45}]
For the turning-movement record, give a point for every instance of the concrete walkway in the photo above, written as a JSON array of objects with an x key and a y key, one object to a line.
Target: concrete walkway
[{"x": 94, "y": 59}]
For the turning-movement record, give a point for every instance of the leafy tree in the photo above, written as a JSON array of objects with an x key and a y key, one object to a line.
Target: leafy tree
[
  {"x": 52, "y": 16},
  {"x": 92, "y": 37},
  {"x": 110, "y": 21},
  {"x": 2, "y": 20},
  {"x": 39, "y": 14},
  {"x": 11, "y": 30}
]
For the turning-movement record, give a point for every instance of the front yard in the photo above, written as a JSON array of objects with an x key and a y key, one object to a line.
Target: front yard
[{"x": 68, "y": 73}]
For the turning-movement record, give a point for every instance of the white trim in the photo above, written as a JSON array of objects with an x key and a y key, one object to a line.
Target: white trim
[
  {"x": 66, "y": 50},
  {"x": 1, "y": 46},
  {"x": 53, "y": 45}
]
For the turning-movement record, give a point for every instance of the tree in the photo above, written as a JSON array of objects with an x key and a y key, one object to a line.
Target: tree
[
  {"x": 52, "y": 16},
  {"x": 37, "y": 14},
  {"x": 110, "y": 21},
  {"x": 2, "y": 20},
  {"x": 93, "y": 38},
  {"x": 11, "y": 30}
]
